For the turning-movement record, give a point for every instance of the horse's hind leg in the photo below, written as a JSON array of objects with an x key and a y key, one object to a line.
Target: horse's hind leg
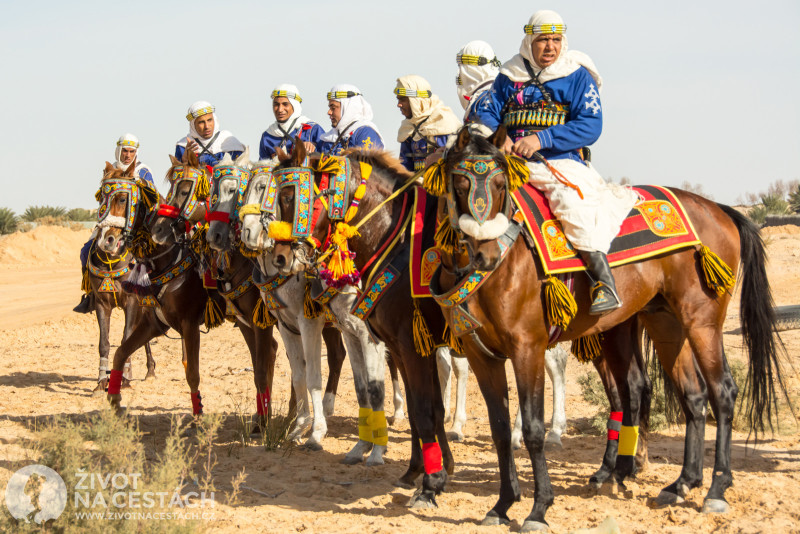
[
  {"x": 144, "y": 331},
  {"x": 398, "y": 403},
  {"x": 461, "y": 372},
  {"x": 444, "y": 366},
  {"x": 555, "y": 361},
  {"x": 336, "y": 353},
  {"x": 151, "y": 362}
]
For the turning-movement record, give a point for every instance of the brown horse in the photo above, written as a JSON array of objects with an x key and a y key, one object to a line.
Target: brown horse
[
  {"x": 668, "y": 293},
  {"x": 105, "y": 273}
]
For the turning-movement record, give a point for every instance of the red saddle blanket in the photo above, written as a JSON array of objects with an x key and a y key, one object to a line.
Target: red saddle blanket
[{"x": 657, "y": 224}]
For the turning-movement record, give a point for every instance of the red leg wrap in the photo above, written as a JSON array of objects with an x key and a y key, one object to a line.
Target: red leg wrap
[
  {"x": 197, "y": 404},
  {"x": 617, "y": 417},
  {"x": 432, "y": 457},
  {"x": 262, "y": 403},
  {"x": 114, "y": 382}
]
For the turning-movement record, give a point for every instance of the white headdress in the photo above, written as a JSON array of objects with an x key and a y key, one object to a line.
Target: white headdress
[
  {"x": 428, "y": 114},
  {"x": 356, "y": 112},
  {"x": 296, "y": 118},
  {"x": 129, "y": 140},
  {"x": 223, "y": 140},
  {"x": 477, "y": 69}
]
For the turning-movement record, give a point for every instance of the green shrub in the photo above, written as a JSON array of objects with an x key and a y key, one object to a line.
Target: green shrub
[
  {"x": 8, "y": 221},
  {"x": 80, "y": 215},
  {"x": 34, "y": 213}
]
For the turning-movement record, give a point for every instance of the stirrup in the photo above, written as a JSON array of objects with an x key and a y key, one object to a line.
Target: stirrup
[
  {"x": 86, "y": 304},
  {"x": 604, "y": 299}
]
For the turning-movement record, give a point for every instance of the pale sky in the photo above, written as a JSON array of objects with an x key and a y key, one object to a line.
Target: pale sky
[{"x": 703, "y": 92}]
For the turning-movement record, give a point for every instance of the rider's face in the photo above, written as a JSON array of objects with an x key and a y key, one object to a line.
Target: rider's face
[
  {"x": 282, "y": 108},
  {"x": 404, "y": 105},
  {"x": 334, "y": 112},
  {"x": 127, "y": 154},
  {"x": 545, "y": 49},
  {"x": 204, "y": 124}
]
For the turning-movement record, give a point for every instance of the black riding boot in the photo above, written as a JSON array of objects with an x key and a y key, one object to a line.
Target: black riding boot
[
  {"x": 86, "y": 305},
  {"x": 604, "y": 292}
]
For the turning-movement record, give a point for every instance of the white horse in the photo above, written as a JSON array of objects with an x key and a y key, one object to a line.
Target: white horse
[
  {"x": 555, "y": 363},
  {"x": 302, "y": 339}
]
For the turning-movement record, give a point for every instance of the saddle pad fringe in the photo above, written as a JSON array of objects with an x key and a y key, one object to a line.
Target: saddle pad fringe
[
  {"x": 423, "y": 341},
  {"x": 452, "y": 340},
  {"x": 311, "y": 308},
  {"x": 586, "y": 348},
  {"x": 446, "y": 238},
  {"x": 261, "y": 317},
  {"x": 719, "y": 277},
  {"x": 212, "y": 316},
  {"x": 560, "y": 304}
]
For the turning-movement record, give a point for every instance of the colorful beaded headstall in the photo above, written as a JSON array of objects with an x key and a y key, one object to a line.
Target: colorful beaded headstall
[
  {"x": 109, "y": 189},
  {"x": 338, "y": 182},
  {"x": 198, "y": 191},
  {"x": 538, "y": 29},
  {"x": 466, "y": 59},
  {"x": 222, "y": 173},
  {"x": 479, "y": 170},
  {"x": 412, "y": 93},
  {"x": 128, "y": 142},
  {"x": 286, "y": 94},
  {"x": 269, "y": 196},
  {"x": 200, "y": 112},
  {"x": 301, "y": 178},
  {"x": 334, "y": 95}
]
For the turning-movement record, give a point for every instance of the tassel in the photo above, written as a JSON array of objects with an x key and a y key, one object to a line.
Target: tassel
[
  {"x": 586, "y": 348},
  {"x": 261, "y": 317},
  {"x": 138, "y": 282},
  {"x": 433, "y": 180},
  {"x": 446, "y": 237},
  {"x": 560, "y": 304},
  {"x": 718, "y": 275},
  {"x": 203, "y": 187},
  {"x": 341, "y": 270},
  {"x": 518, "y": 172},
  {"x": 452, "y": 340},
  {"x": 280, "y": 231},
  {"x": 423, "y": 341},
  {"x": 149, "y": 195},
  {"x": 311, "y": 308},
  {"x": 246, "y": 252},
  {"x": 329, "y": 164},
  {"x": 212, "y": 317},
  {"x": 86, "y": 282}
]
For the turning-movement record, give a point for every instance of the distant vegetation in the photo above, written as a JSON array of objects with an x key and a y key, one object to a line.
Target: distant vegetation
[
  {"x": 780, "y": 198},
  {"x": 8, "y": 221}
]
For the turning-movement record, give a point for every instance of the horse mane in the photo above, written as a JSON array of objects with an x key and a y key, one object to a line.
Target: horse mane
[{"x": 381, "y": 159}]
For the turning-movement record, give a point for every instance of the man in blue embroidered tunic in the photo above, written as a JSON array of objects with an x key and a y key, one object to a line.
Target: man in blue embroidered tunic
[
  {"x": 548, "y": 98},
  {"x": 205, "y": 138},
  {"x": 289, "y": 123},
  {"x": 477, "y": 69},
  {"x": 428, "y": 122},
  {"x": 351, "y": 121},
  {"x": 126, "y": 152}
]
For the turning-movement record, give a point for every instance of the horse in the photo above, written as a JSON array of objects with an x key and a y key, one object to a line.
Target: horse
[
  {"x": 168, "y": 278},
  {"x": 105, "y": 271},
  {"x": 680, "y": 297},
  {"x": 291, "y": 299}
]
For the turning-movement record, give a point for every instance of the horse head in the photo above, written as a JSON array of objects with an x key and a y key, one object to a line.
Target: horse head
[
  {"x": 477, "y": 190},
  {"x": 120, "y": 199},
  {"x": 185, "y": 204},
  {"x": 228, "y": 183},
  {"x": 259, "y": 208}
]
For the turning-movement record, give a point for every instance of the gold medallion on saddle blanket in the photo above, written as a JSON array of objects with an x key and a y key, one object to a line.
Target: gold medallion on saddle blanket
[{"x": 657, "y": 224}]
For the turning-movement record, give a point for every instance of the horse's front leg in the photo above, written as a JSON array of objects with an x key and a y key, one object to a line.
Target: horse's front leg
[
  {"x": 311, "y": 334},
  {"x": 334, "y": 348},
  {"x": 144, "y": 331},
  {"x": 294, "y": 352},
  {"x": 103, "y": 313},
  {"x": 555, "y": 361},
  {"x": 461, "y": 372},
  {"x": 190, "y": 336}
]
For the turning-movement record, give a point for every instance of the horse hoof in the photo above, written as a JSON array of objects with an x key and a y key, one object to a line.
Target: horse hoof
[
  {"x": 100, "y": 389},
  {"x": 312, "y": 446},
  {"x": 351, "y": 460},
  {"x": 400, "y": 483},
  {"x": 553, "y": 442},
  {"x": 716, "y": 506},
  {"x": 126, "y": 384},
  {"x": 149, "y": 375},
  {"x": 534, "y": 526},
  {"x": 455, "y": 436},
  {"x": 422, "y": 500},
  {"x": 667, "y": 498},
  {"x": 493, "y": 519},
  {"x": 398, "y": 417},
  {"x": 516, "y": 445}
]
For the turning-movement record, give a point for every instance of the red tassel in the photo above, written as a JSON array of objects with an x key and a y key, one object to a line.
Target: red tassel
[
  {"x": 432, "y": 457},
  {"x": 197, "y": 403},
  {"x": 262, "y": 403},
  {"x": 114, "y": 382},
  {"x": 614, "y": 434}
]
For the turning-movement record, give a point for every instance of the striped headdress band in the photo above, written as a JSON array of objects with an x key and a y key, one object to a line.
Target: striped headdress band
[
  {"x": 458, "y": 79},
  {"x": 333, "y": 95},
  {"x": 539, "y": 29},
  {"x": 287, "y": 94},
  {"x": 128, "y": 142},
  {"x": 199, "y": 113},
  {"x": 412, "y": 93},
  {"x": 465, "y": 59}
]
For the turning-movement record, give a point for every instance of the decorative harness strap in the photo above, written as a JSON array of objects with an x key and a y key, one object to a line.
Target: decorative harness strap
[{"x": 267, "y": 288}]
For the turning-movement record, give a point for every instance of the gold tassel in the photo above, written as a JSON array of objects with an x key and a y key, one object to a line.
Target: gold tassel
[
  {"x": 203, "y": 187},
  {"x": 718, "y": 275},
  {"x": 340, "y": 263},
  {"x": 280, "y": 230},
  {"x": 434, "y": 181},
  {"x": 586, "y": 348},
  {"x": 246, "y": 252},
  {"x": 311, "y": 308},
  {"x": 518, "y": 172},
  {"x": 329, "y": 164},
  {"x": 423, "y": 341},
  {"x": 452, "y": 340},
  {"x": 212, "y": 317},
  {"x": 261, "y": 317},
  {"x": 149, "y": 195},
  {"x": 86, "y": 283},
  {"x": 446, "y": 238},
  {"x": 561, "y": 306}
]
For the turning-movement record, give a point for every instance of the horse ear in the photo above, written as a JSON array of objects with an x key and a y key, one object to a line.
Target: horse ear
[
  {"x": 244, "y": 158},
  {"x": 498, "y": 138},
  {"x": 174, "y": 161},
  {"x": 298, "y": 152},
  {"x": 191, "y": 158},
  {"x": 129, "y": 171},
  {"x": 464, "y": 137},
  {"x": 108, "y": 169},
  {"x": 281, "y": 155}
]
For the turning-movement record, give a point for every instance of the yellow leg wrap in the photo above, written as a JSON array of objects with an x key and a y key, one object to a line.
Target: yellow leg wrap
[
  {"x": 364, "y": 424},
  {"x": 380, "y": 432},
  {"x": 628, "y": 440}
]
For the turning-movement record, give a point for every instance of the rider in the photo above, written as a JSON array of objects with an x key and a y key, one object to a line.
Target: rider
[
  {"x": 289, "y": 123},
  {"x": 205, "y": 138},
  {"x": 126, "y": 152},
  {"x": 549, "y": 100},
  {"x": 351, "y": 121},
  {"x": 428, "y": 122},
  {"x": 477, "y": 69}
]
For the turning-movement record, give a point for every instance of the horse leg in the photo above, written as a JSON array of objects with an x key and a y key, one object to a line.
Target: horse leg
[
  {"x": 311, "y": 336},
  {"x": 397, "y": 396},
  {"x": 259, "y": 378},
  {"x": 130, "y": 318},
  {"x": 358, "y": 365},
  {"x": 103, "y": 312},
  {"x": 144, "y": 331},
  {"x": 415, "y": 463},
  {"x": 294, "y": 352},
  {"x": 461, "y": 372},
  {"x": 336, "y": 353},
  {"x": 190, "y": 338},
  {"x": 601, "y": 364},
  {"x": 151, "y": 362},
  {"x": 444, "y": 367},
  {"x": 555, "y": 361}
]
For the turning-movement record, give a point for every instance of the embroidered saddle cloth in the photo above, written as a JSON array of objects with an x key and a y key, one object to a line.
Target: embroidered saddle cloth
[{"x": 657, "y": 224}]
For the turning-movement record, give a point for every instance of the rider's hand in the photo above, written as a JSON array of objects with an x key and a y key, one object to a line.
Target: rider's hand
[
  {"x": 309, "y": 147},
  {"x": 527, "y": 145},
  {"x": 191, "y": 145},
  {"x": 508, "y": 146}
]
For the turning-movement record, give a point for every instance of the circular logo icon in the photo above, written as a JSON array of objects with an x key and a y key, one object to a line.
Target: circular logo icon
[
  {"x": 480, "y": 167},
  {"x": 38, "y": 500}
]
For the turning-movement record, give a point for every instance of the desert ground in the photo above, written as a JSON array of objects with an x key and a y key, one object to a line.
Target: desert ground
[{"x": 48, "y": 366}]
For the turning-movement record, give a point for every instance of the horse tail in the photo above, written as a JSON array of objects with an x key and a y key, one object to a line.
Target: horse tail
[{"x": 757, "y": 316}]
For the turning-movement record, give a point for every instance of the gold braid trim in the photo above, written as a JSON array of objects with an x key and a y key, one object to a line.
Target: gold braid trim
[
  {"x": 423, "y": 340},
  {"x": 719, "y": 277},
  {"x": 586, "y": 348},
  {"x": 248, "y": 253},
  {"x": 452, "y": 340},
  {"x": 559, "y": 302},
  {"x": 212, "y": 316}
]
